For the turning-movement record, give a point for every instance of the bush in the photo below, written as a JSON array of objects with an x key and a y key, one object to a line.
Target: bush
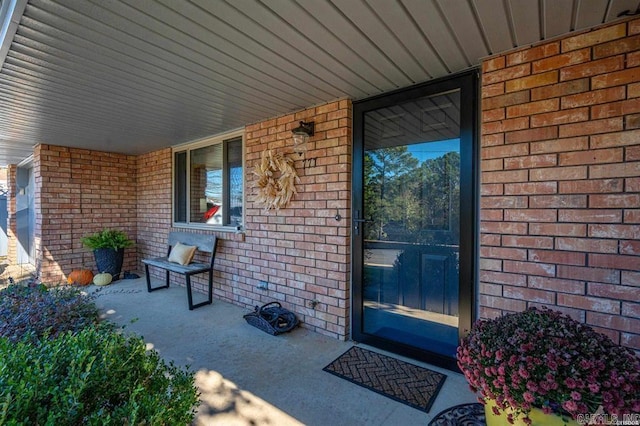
[
  {"x": 95, "y": 377},
  {"x": 58, "y": 366},
  {"x": 36, "y": 311},
  {"x": 107, "y": 238},
  {"x": 541, "y": 358}
]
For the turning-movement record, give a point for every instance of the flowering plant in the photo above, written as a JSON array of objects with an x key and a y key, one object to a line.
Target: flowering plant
[{"x": 542, "y": 358}]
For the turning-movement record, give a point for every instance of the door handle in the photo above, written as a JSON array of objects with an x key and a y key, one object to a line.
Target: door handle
[{"x": 357, "y": 221}]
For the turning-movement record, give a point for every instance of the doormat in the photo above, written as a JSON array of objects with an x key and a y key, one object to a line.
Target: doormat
[
  {"x": 410, "y": 384},
  {"x": 463, "y": 415}
]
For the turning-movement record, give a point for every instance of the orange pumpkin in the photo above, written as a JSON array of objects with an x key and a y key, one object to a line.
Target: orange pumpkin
[{"x": 80, "y": 277}]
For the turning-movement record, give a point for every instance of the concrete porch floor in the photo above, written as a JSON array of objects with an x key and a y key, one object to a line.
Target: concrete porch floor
[{"x": 248, "y": 377}]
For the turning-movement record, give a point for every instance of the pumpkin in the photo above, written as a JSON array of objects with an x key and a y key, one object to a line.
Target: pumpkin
[
  {"x": 80, "y": 277},
  {"x": 102, "y": 279}
]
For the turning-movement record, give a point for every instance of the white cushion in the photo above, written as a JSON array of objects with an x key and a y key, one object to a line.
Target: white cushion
[{"x": 182, "y": 254}]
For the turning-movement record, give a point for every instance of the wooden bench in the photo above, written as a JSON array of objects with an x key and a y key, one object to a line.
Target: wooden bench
[{"x": 204, "y": 243}]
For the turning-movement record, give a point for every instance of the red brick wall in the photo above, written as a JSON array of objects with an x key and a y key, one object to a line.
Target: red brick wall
[
  {"x": 79, "y": 192},
  {"x": 154, "y": 194},
  {"x": 301, "y": 251},
  {"x": 153, "y": 172},
  {"x": 560, "y": 204}
]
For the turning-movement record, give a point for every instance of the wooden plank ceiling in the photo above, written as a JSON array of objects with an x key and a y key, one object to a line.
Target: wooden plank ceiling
[{"x": 132, "y": 76}]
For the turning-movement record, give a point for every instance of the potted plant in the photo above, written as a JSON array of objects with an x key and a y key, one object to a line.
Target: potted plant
[
  {"x": 108, "y": 248},
  {"x": 541, "y": 362}
]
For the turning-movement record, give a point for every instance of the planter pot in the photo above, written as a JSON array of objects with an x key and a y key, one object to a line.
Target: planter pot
[
  {"x": 109, "y": 260},
  {"x": 537, "y": 416}
]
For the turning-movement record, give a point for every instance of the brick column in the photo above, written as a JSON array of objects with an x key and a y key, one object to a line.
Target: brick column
[{"x": 79, "y": 192}]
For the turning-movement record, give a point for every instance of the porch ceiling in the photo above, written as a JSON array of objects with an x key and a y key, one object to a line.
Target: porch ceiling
[{"x": 132, "y": 76}]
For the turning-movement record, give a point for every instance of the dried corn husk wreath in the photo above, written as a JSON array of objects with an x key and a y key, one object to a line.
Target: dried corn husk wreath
[{"x": 277, "y": 179}]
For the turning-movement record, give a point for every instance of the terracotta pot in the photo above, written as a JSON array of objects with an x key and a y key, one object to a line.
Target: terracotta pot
[{"x": 537, "y": 416}]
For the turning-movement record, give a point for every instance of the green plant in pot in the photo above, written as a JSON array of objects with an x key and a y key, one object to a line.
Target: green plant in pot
[
  {"x": 540, "y": 367},
  {"x": 108, "y": 248}
]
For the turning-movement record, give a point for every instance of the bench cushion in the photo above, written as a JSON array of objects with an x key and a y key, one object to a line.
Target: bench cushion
[
  {"x": 182, "y": 254},
  {"x": 163, "y": 262}
]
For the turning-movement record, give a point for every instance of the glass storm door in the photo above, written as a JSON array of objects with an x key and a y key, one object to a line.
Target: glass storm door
[{"x": 413, "y": 219}]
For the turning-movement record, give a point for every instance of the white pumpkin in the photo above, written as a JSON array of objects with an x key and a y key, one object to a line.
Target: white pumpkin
[{"x": 102, "y": 279}]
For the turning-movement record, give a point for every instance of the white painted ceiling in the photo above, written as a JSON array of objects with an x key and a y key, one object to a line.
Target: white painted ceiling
[{"x": 133, "y": 76}]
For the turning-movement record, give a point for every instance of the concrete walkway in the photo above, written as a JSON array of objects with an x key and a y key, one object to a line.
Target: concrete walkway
[{"x": 248, "y": 377}]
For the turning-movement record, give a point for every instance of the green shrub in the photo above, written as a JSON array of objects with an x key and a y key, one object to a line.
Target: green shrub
[
  {"x": 107, "y": 238},
  {"x": 36, "y": 311},
  {"x": 92, "y": 377}
]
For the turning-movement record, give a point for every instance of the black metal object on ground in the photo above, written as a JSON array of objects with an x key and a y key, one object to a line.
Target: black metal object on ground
[
  {"x": 404, "y": 382},
  {"x": 461, "y": 415},
  {"x": 272, "y": 318}
]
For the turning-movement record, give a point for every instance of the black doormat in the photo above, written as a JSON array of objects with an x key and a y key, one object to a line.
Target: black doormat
[
  {"x": 404, "y": 382},
  {"x": 462, "y": 415}
]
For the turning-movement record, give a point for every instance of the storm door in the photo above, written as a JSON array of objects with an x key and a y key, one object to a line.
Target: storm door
[{"x": 413, "y": 219}]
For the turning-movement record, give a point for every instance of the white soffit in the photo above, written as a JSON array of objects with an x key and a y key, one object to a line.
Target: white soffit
[
  {"x": 10, "y": 13},
  {"x": 133, "y": 76}
]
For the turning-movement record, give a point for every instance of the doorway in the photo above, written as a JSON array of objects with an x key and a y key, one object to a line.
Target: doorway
[
  {"x": 414, "y": 216},
  {"x": 25, "y": 213}
]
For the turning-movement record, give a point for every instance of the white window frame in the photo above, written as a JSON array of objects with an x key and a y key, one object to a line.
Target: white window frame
[{"x": 188, "y": 147}]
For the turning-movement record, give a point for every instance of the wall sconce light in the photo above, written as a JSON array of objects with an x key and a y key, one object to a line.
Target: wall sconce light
[{"x": 301, "y": 136}]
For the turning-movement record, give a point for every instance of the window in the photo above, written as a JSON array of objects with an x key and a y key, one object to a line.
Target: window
[{"x": 208, "y": 183}]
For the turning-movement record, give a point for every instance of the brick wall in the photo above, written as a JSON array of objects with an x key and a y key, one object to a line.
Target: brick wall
[
  {"x": 153, "y": 176},
  {"x": 79, "y": 192},
  {"x": 154, "y": 186},
  {"x": 560, "y": 204},
  {"x": 301, "y": 251}
]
